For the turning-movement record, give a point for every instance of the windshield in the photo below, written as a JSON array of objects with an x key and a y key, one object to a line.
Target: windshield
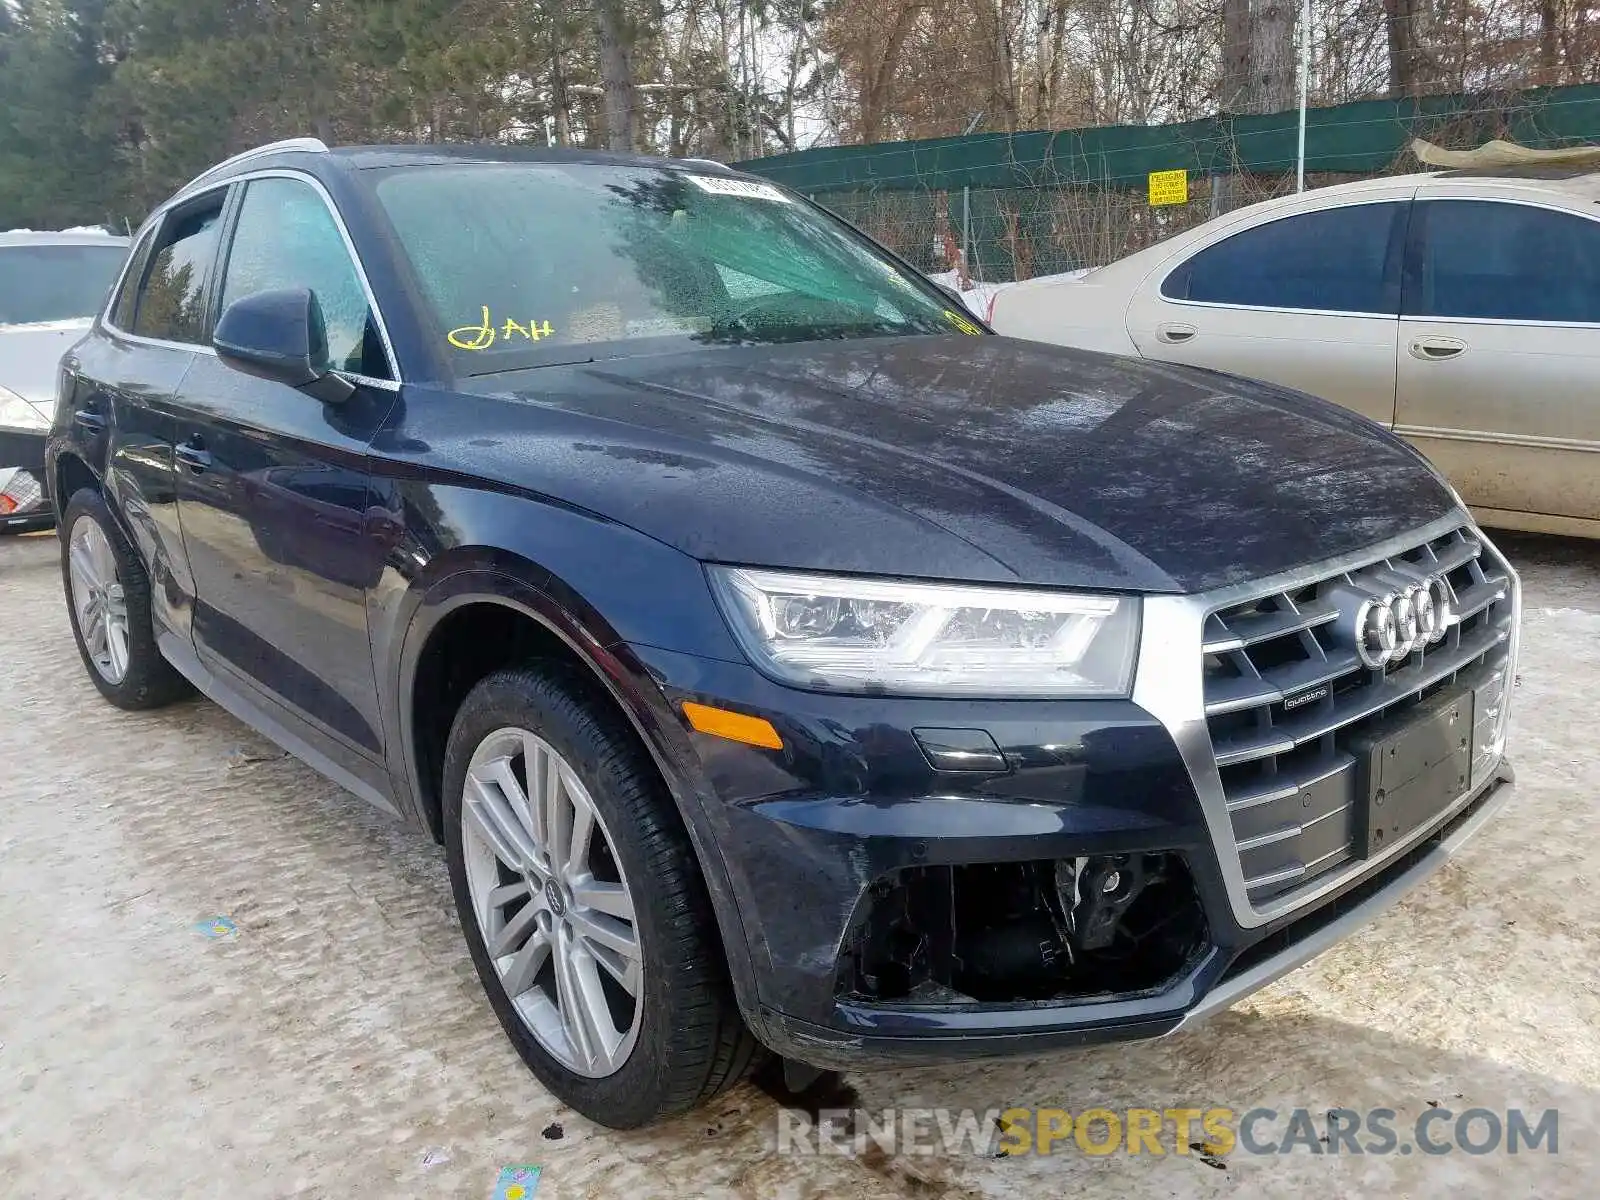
[
  {"x": 56, "y": 283},
  {"x": 544, "y": 262}
]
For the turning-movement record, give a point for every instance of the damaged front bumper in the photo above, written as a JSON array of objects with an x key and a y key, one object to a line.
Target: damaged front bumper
[
  {"x": 941, "y": 879},
  {"x": 1221, "y": 976}
]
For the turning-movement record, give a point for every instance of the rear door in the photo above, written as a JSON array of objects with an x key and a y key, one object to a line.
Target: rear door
[
  {"x": 123, "y": 382},
  {"x": 1310, "y": 301},
  {"x": 274, "y": 486},
  {"x": 1499, "y": 377}
]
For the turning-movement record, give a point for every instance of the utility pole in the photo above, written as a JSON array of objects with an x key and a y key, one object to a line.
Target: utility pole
[{"x": 1305, "y": 77}]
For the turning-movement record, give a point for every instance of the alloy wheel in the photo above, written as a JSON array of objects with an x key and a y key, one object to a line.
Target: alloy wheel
[
  {"x": 97, "y": 599},
  {"x": 551, "y": 901}
]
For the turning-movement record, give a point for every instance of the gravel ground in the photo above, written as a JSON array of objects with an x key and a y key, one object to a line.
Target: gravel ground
[{"x": 335, "y": 1041}]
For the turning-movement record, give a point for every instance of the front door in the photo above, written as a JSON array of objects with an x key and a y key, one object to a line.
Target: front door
[
  {"x": 274, "y": 486},
  {"x": 1500, "y": 354},
  {"x": 1309, "y": 301}
]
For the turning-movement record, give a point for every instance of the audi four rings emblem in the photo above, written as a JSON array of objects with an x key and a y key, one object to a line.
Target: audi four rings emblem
[{"x": 1392, "y": 624}]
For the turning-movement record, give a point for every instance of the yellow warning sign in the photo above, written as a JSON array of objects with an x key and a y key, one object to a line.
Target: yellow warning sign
[{"x": 1169, "y": 187}]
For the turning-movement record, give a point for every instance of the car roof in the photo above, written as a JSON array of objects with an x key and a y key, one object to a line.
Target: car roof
[
  {"x": 310, "y": 152},
  {"x": 1579, "y": 181},
  {"x": 440, "y": 155},
  {"x": 68, "y": 237}
]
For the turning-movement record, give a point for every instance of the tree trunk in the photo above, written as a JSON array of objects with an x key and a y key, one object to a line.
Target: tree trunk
[
  {"x": 682, "y": 115},
  {"x": 1405, "y": 54},
  {"x": 558, "y": 82},
  {"x": 1258, "y": 71},
  {"x": 1049, "y": 91},
  {"x": 616, "y": 74},
  {"x": 1232, "y": 95},
  {"x": 1272, "y": 56},
  {"x": 1549, "y": 45},
  {"x": 1258, "y": 56}
]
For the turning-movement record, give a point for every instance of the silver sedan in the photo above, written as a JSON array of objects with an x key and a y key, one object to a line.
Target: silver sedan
[{"x": 1460, "y": 309}]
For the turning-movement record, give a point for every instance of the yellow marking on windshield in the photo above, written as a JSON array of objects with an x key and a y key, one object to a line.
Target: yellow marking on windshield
[
  {"x": 895, "y": 277},
  {"x": 961, "y": 323},
  {"x": 484, "y": 334}
]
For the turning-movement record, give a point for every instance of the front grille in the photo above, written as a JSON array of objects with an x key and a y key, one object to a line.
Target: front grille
[
  {"x": 1286, "y": 693},
  {"x": 1324, "y": 915}
]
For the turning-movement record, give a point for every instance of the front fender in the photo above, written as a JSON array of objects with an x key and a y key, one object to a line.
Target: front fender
[{"x": 594, "y": 585}]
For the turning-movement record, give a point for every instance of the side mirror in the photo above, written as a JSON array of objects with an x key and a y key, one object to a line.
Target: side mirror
[
  {"x": 953, "y": 296},
  {"x": 280, "y": 336}
]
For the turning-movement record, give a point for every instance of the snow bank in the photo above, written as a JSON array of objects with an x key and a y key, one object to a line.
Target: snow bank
[
  {"x": 99, "y": 229},
  {"x": 979, "y": 297}
]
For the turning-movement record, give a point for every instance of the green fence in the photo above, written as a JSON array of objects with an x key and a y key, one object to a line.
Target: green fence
[{"x": 1024, "y": 204}]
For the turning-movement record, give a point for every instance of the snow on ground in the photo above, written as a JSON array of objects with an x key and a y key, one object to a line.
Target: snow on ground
[{"x": 221, "y": 975}]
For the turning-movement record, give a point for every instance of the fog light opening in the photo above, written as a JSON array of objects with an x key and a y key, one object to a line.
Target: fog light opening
[{"x": 1046, "y": 930}]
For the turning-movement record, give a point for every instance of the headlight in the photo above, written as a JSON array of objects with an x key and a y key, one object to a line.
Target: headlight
[
  {"x": 872, "y": 635},
  {"x": 17, "y": 413}
]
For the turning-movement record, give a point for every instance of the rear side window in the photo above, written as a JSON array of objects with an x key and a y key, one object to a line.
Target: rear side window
[
  {"x": 172, "y": 300},
  {"x": 287, "y": 238},
  {"x": 1507, "y": 262},
  {"x": 1338, "y": 259},
  {"x": 122, "y": 310}
]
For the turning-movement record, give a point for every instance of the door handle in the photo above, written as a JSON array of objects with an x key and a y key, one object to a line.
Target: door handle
[
  {"x": 1437, "y": 348},
  {"x": 193, "y": 455},
  {"x": 1175, "y": 334},
  {"x": 90, "y": 422}
]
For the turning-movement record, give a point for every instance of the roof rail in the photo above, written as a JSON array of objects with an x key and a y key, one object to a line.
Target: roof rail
[{"x": 309, "y": 144}]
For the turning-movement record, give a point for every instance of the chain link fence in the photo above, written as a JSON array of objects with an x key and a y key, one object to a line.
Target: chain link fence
[{"x": 996, "y": 208}]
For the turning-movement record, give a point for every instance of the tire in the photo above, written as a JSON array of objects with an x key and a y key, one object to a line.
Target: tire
[
  {"x": 145, "y": 679},
  {"x": 689, "y": 1042}
]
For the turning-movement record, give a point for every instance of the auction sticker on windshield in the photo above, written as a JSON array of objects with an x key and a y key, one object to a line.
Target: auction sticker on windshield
[{"x": 748, "y": 188}]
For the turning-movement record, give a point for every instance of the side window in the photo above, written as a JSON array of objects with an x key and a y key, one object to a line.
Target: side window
[
  {"x": 286, "y": 238},
  {"x": 1508, "y": 262},
  {"x": 1339, "y": 259},
  {"x": 122, "y": 308},
  {"x": 172, "y": 300}
]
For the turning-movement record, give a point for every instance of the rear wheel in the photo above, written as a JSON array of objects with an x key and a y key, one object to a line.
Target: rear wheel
[
  {"x": 583, "y": 905},
  {"x": 108, "y": 601}
]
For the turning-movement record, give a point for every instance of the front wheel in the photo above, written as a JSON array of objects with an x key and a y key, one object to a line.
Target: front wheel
[{"x": 583, "y": 904}]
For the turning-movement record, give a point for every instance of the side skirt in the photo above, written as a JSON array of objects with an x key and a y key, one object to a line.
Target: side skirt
[{"x": 253, "y": 714}]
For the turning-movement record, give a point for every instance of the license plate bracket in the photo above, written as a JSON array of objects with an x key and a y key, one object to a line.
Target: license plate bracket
[{"x": 1410, "y": 767}]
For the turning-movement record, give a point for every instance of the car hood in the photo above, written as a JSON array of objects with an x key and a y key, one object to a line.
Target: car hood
[
  {"x": 978, "y": 458},
  {"x": 30, "y": 355}
]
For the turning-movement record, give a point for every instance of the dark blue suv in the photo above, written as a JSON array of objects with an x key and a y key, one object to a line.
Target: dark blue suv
[{"x": 782, "y": 659}]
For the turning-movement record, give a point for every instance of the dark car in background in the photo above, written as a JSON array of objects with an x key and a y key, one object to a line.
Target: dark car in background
[
  {"x": 783, "y": 659},
  {"x": 51, "y": 285}
]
